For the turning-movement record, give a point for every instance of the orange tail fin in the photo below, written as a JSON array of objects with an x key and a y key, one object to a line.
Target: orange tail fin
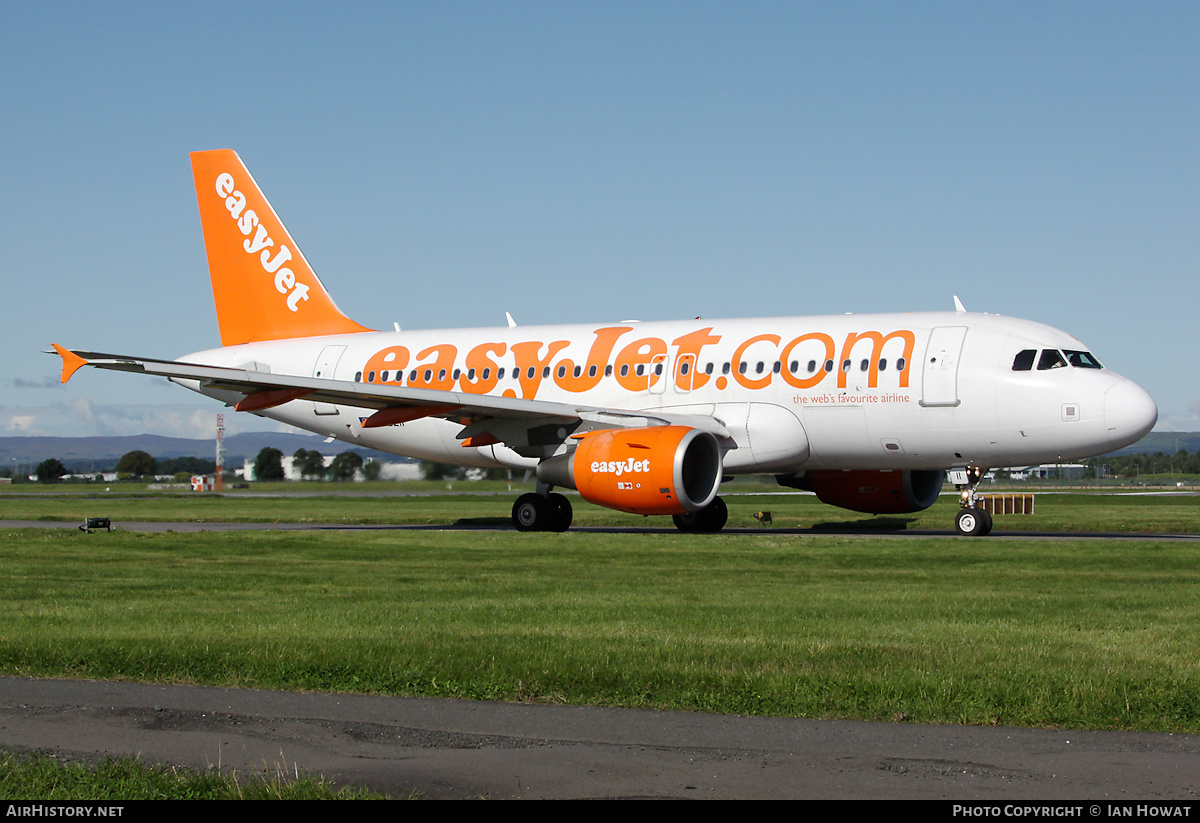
[{"x": 263, "y": 287}]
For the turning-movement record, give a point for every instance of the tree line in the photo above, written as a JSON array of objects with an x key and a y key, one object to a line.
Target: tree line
[
  {"x": 1133, "y": 466},
  {"x": 138, "y": 465},
  {"x": 310, "y": 465}
]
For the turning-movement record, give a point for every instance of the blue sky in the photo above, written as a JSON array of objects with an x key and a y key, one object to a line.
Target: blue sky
[{"x": 441, "y": 163}]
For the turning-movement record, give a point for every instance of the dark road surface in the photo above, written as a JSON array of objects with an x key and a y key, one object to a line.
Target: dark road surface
[{"x": 465, "y": 749}]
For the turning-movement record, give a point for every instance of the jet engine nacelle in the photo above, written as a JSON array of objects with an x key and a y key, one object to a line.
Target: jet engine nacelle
[
  {"x": 873, "y": 492},
  {"x": 651, "y": 470}
]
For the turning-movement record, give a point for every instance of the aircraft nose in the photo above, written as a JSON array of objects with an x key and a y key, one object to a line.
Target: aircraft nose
[{"x": 1129, "y": 413}]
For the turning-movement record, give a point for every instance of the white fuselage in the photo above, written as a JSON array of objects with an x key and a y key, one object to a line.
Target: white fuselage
[{"x": 876, "y": 391}]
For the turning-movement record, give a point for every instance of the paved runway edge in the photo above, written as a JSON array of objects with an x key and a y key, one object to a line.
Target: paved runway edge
[
  {"x": 462, "y": 749},
  {"x": 190, "y": 526}
]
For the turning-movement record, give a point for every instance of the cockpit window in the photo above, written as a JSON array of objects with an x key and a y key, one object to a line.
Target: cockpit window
[
  {"x": 1024, "y": 360},
  {"x": 1082, "y": 359},
  {"x": 1051, "y": 359}
]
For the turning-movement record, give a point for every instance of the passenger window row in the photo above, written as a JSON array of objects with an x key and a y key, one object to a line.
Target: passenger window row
[{"x": 759, "y": 368}]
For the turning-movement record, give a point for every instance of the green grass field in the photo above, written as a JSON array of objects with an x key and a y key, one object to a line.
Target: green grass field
[
  {"x": 491, "y": 502},
  {"x": 1079, "y": 633},
  {"x": 45, "y": 779}
]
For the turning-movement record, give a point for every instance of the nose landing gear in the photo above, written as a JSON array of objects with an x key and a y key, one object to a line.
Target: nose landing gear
[{"x": 971, "y": 520}]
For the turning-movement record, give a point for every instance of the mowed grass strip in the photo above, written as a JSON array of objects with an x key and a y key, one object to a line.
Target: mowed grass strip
[
  {"x": 45, "y": 779},
  {"x": 492, "y": 503},
  {"x": 1081, "y": 634}
]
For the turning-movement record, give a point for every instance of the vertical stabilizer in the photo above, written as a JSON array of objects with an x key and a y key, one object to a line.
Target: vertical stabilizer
[{"x": 263, "y": 287}]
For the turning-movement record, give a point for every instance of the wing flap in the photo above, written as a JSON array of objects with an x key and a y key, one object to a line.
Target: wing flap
[{"x": 510, "y": 419}]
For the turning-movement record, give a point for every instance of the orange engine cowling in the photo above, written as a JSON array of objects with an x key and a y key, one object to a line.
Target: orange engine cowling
[
  {"x": 651, "y": 470},
  {"x": 876, "y": 492}
]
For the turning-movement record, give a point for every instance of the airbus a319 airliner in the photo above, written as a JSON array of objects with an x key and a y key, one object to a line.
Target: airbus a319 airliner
[{"x": 866, "y": 410}]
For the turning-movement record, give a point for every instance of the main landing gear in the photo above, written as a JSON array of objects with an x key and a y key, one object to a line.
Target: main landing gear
[
  {"x": 547, "y": 511},
  {"x": 971, "y": 520},
  {"x": 710, "y": 519},
  {"x": 536, "y": 512}
]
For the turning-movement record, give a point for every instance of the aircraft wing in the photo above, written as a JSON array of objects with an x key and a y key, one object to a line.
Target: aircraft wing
[{"x": 486, "y": 419}]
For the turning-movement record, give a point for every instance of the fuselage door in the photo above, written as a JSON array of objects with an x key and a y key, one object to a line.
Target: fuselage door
[
  {"x": 660, "y": 373},
  {"x": 685, "y": 368},
  {"x": 326, "y": 367},
  {"x": 939, "y": 377}
]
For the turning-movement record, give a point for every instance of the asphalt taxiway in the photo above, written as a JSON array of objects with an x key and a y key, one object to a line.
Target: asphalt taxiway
[
  {"x": 466, "y": 749},
  {"x": 998, "y": 534}
]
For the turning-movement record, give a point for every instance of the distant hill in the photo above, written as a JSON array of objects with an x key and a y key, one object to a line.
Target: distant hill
[
  {"x": 98, "y": 453},
  {"x": 1165, "y": 442}
]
